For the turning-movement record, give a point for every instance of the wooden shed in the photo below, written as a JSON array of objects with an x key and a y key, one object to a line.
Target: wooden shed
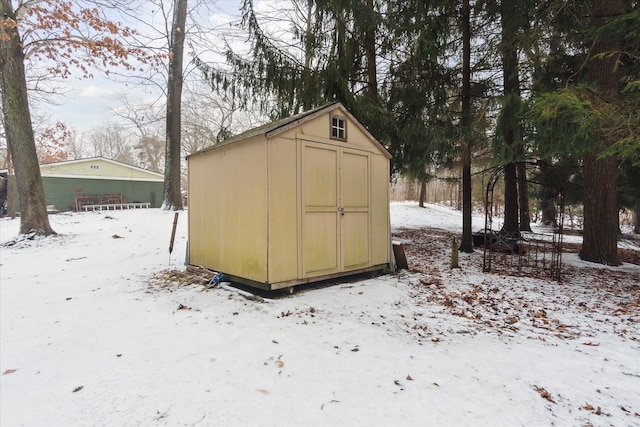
[{"x": 299, "y": 200}]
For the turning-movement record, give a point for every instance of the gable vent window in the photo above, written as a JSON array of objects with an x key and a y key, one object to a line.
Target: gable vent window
[
  {"x": 338, "y": 128},
  {"x": 94, "y": 167}
]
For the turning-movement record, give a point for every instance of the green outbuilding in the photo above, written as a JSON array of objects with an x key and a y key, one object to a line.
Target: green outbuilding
[{"x": 67, "y": 182}]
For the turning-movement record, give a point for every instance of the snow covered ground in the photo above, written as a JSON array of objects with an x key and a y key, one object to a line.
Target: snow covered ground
[{"x": 95, "y": 331}]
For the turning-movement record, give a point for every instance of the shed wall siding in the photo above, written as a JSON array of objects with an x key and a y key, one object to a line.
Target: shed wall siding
[
  {"x": 228, "y": 211},
  {"x": 283, "y": 210},
  {"x": 318, "y": 130},
  {"x": 381, "y": 233}
]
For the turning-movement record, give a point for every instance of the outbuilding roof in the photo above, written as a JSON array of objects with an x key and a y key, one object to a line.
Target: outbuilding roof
[
  {"x": 279, "y": 126},
  {"x": 116, "y": 170}
]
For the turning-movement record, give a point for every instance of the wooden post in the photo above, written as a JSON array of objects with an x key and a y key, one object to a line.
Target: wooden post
[{"x": 401, "y": 258}]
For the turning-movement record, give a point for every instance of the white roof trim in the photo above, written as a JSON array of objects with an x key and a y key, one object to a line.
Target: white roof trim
[
  {"x": 113, "y": 178},
  {"x": 104, "y": 159}
]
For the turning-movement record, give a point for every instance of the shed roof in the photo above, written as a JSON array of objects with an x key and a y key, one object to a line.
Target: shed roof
[
  {"x": 116, "y": 170},
  {"x": 279, "y": 126}
]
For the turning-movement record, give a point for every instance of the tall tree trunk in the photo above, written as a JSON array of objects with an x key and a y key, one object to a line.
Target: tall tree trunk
[
  {"x": 510, "y": 225},
  {"x": 11, "y": 187},
  {"x": 172, "y": 193},
  {"x": 547, "y": 195},
  {"x": 308, "y": 93},
  {"x": 466, "y": 243},
  {"x": 370, "y": 48},
  {"x": 18, "y": 127},
  {"x": 601, "y": 220},
  {"x": 509, "y": 119},
  {"x": 423, "y": 193},
  {"x": 523, "y": 197}
]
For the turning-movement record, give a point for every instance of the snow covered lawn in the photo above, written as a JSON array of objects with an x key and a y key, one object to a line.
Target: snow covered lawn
[{"x": 95, "y": 331}]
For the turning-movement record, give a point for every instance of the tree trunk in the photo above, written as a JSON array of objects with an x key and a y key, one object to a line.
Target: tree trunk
[
  {"x": 547, "y": 195},
  {"x": 548, "y": 206},
  {"x": 370, "y": 48},
  {"x": 18, "y": 127},
  {"x": 636, "y": 218},
  {"x": 466, "y": 243},
  {"x": 509, "y": 119},
  {"x": 601, "y": 219},
  {"x": 11, "y": 187},
  {"x": 308, "y": 94},
  {"x": 523, "y": 197},
  {"x": 423, "y": 193},
  {"x": 172, "y": 193},
  {"x": 510, "y": 225}
]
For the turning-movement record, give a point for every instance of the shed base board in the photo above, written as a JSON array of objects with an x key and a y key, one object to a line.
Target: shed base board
[{"x": 296, "y": 282}]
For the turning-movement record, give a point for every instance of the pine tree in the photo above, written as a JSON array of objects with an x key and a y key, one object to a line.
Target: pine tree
[
  {"x": 600, "y": 243},
  {"x": 509, "y": 126},
  {"x": 466, "y": 243}
]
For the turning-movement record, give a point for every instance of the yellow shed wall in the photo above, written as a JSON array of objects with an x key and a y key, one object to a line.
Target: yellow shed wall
[
  {"x": 318, "y": 129},
  {"x": 381, "y": 232},
  {"x": 283, "y": 210},
  {"x": 228, "y": 209}
]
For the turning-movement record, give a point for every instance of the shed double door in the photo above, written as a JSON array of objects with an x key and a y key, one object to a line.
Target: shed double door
[{"x": 335, "y": 198}]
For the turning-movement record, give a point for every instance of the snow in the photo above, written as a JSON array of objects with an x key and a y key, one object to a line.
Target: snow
[{"x": 93, "y": 332}]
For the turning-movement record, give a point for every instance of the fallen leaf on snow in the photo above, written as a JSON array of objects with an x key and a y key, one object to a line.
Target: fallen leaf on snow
[
  {"x": 9, "y": 371},
  {"x": 279, "y": 363},
  {"x": 592, "y": 344},
  {"x": 263, "y": 391},
  {"x": 544, "y": 393},
  {"x": 588, "y": 407},
  {"x": 409, "y": 378},
  {"x": 77, "y": 389}
]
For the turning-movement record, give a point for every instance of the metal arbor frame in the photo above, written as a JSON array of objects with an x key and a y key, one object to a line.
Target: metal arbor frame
[{"x": 527, "y": 250}]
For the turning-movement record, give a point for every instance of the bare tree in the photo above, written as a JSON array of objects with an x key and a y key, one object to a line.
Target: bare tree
[
  {"x": 172, "y": 194},
  {"x": 110, "y": 141},
  {"x": 19, "y": 130}
]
